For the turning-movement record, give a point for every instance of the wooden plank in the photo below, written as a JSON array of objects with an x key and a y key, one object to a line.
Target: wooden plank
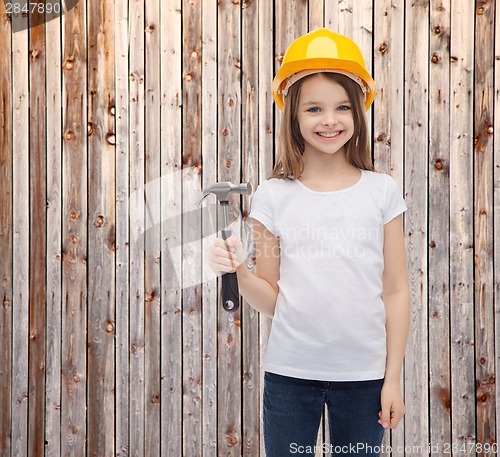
[
  {"x": 496, "y": 217},
  {"x": 483, "y": 225},
  {"x": 20, "y": 241},
  {"x": 461, "y": 226},
  {"x": 229, "y": 161},
  {"x": 171, "y": 140},
  {"x": 54, "y": 240},
  {"x": 210, "y": 293},
  {"x": 388, "y": 121},
  {"x": 439, "y": 226},
  {"x": 37, "y": 248},
  {"x": 265, "y": 151},
  {"x": 416, "y": 135},
  {"x": 101, "y": 230},
  {"x": 191, "y": 230},
  {"x": 122, "y": 242},
  {"x": 137, "y": 228},
  {"x": 74, "y": 239},
  {"x": 6, "y": 234},
  {"x": 316, "y": 14},
  {"x": 152, "y": 256},
  {"x": 332, "y": 15},
  {"x": 250, "y": 168}
]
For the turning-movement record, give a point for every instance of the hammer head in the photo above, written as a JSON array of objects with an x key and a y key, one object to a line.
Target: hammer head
[{"x": 223, "y": 190}]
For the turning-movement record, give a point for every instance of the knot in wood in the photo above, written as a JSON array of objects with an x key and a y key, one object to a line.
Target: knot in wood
[
  {"x": 435, "y": 58},
  {"x": 69, "y": 135},
  {"x": 33, "y": 335},
  {"x": 231, "y": 438},
  {"x": 6, "y": 304},
  {"x": 112, "y": 110},
  {"x": 188, "y": 77},
  {"x": 437, "y": 30},
  {"x": 111, "y": 138},
  {"x": 438, "y": 165},
  {"x": 194, "y": 54},
  {"x": 380, "y": 137},
  {"x": 99, "y": 221},
  {"x": 225, "y": 132},
  {"x": 155, "y": 399},
  {"x": 230, "y": 101},
  {"x": 90, "y": 128},
  {"x": 480, "y": 11},
  {"x": 69, "y": 65},
  {"x": 383, "y": 48},
  {"x": 35, "y": 53},
  {"x": 490, "y": 129},
  {"x": 73, "y": 215},
  {"x": 110, "y": 327},
  {"x": 74, "y": 239}
]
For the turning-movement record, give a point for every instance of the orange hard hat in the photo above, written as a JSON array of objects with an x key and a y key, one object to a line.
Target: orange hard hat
[{"x": 322, "y": 51}]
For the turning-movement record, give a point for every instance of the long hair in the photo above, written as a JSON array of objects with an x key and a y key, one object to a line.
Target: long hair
[{"x": 289, "y": 163}]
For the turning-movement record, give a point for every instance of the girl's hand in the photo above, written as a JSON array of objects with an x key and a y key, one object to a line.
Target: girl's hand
[
  {"x": 393, "y": 408},
  {"x": 224, "y": 256}
]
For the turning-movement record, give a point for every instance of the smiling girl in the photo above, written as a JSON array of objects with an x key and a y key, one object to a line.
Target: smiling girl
[{"x": 330, "y": 260}]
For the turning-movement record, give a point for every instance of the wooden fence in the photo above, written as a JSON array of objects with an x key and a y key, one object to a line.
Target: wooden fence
[{"x": 115, "y": 115}]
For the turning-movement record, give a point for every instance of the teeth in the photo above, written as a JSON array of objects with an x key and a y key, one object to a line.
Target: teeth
[{"x": 328, "y": 135}]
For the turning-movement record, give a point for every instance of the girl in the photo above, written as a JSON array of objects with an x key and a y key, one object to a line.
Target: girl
[{"x": 330, "y": 261}]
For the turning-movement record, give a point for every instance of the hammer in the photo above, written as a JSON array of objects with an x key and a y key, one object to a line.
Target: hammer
[{"x": 222, "y": 190}]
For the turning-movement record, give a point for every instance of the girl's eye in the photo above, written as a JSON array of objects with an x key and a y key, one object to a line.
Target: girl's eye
[
  {"x": 344, "y": 108},
  {"x": 314, "y": 109}
]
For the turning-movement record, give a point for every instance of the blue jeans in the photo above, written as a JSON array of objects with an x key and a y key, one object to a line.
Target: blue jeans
[{"x": 293, "y": 409}]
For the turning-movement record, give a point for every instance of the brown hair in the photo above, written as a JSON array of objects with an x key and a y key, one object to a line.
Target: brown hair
[{"x": 289, "y": 162}]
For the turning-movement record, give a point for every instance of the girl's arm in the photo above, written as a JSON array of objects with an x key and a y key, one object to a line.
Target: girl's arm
[
  {"x": 396, "y": 297},
  {"x": 259, "y": 290}
]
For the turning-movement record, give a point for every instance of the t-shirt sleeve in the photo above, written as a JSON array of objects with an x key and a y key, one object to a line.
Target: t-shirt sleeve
[
  {"x": 262, "y": 206},
  {"x": 394, "y": 202}
]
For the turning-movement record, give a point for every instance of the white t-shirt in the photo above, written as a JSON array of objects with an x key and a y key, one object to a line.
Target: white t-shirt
[{"x": 329, "y": 322}]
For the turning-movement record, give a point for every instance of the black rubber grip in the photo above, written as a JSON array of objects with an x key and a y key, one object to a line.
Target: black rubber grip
[{"x": 230, "y": 292}]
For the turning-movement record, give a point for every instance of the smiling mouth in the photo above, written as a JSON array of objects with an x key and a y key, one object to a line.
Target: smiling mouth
[{"x": 329, "y": 134}]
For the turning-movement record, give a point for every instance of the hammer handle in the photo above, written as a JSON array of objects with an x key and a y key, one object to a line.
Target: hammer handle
[{"x": 230, "y": 290}]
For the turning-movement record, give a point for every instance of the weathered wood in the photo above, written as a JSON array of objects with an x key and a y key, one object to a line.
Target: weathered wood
[
  {"x": 191, "y": 231},
  {"x": 439, "y": 226},
  {"x": 249, "y": 170},
  {"x": 496, "y": 217},
  {"x": 6, "y": 234},
  {"x": 52, "y": 439},
  {"x": 137, "y": 218},
  {"x": 20, "y": 242},
  {"x": 416, "y": 135},
  {"x": 265, "y": 151},
  {"x": 483, "y": 224},
  {"x": 177, "y": 376},
  {"x": 122, "y": 238},
  {"x": 152, "y": 257},
  {"x": 74, "y": 238},
  {"x": 101, "y": 230},
  {"x": 171, "y": 163},
  {"x": 229, "y": 165},
  {"x": 316, "y": 14},
  {"x": 37, "y": 241},
  {"x": 463, "y": 419},
  {"x": 210, "y": 292}
]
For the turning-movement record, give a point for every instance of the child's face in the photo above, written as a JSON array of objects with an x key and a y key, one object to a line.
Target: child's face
[{"x": 324, "y": 115}]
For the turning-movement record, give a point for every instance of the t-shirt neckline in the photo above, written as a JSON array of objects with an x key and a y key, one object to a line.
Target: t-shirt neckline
[{"x": 317, "y": 192}]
